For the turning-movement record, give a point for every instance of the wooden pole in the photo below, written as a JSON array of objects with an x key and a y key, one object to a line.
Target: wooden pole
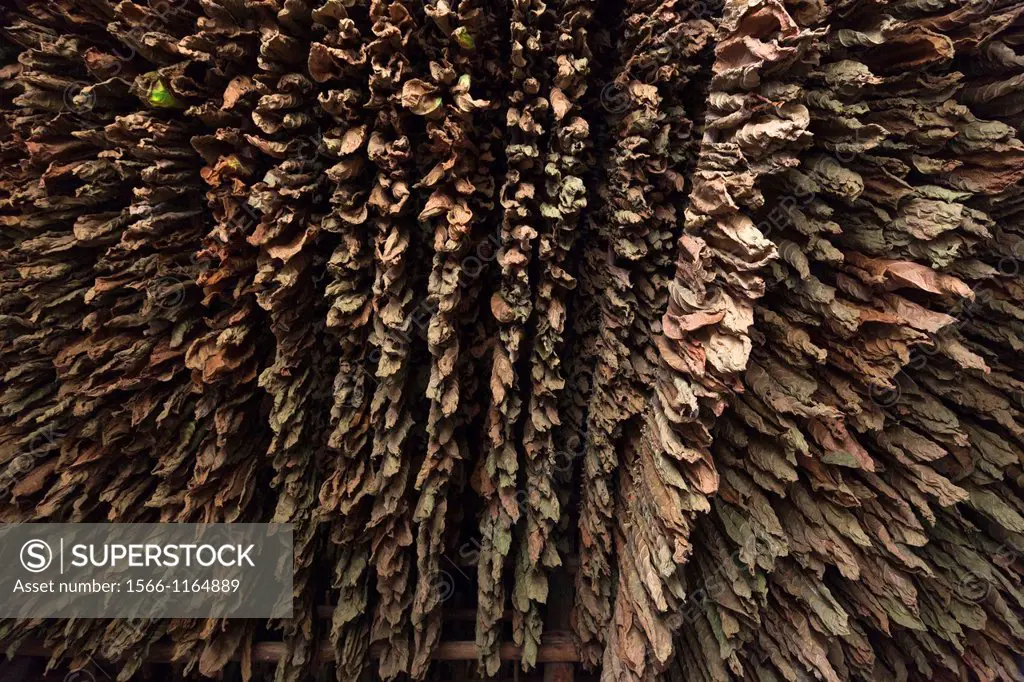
[{"x": 555, "y": 648}]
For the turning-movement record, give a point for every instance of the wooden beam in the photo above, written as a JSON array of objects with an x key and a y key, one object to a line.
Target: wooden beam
[
  {"x": 556, "y": 647},
  {"x": 326, "y": 611}
]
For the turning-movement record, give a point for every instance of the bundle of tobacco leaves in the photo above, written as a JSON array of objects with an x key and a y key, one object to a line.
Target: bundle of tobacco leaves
[{"x": 716, "y": 306}]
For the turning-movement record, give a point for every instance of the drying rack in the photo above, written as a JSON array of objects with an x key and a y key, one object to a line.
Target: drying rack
[{"x": 557, "y": 655}]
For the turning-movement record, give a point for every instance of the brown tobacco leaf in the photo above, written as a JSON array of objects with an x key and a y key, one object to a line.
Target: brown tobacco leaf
[
  {"x": 565, "y": 199},
  {"x": 706, "y": 323},
  {"x": 391, "y": 518},
  {"x": 863, "y": 345},
  {"x": 522, "y": 196},
  {"x": 454, "y": 209},
  {"x": 653, "y": 147}
]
